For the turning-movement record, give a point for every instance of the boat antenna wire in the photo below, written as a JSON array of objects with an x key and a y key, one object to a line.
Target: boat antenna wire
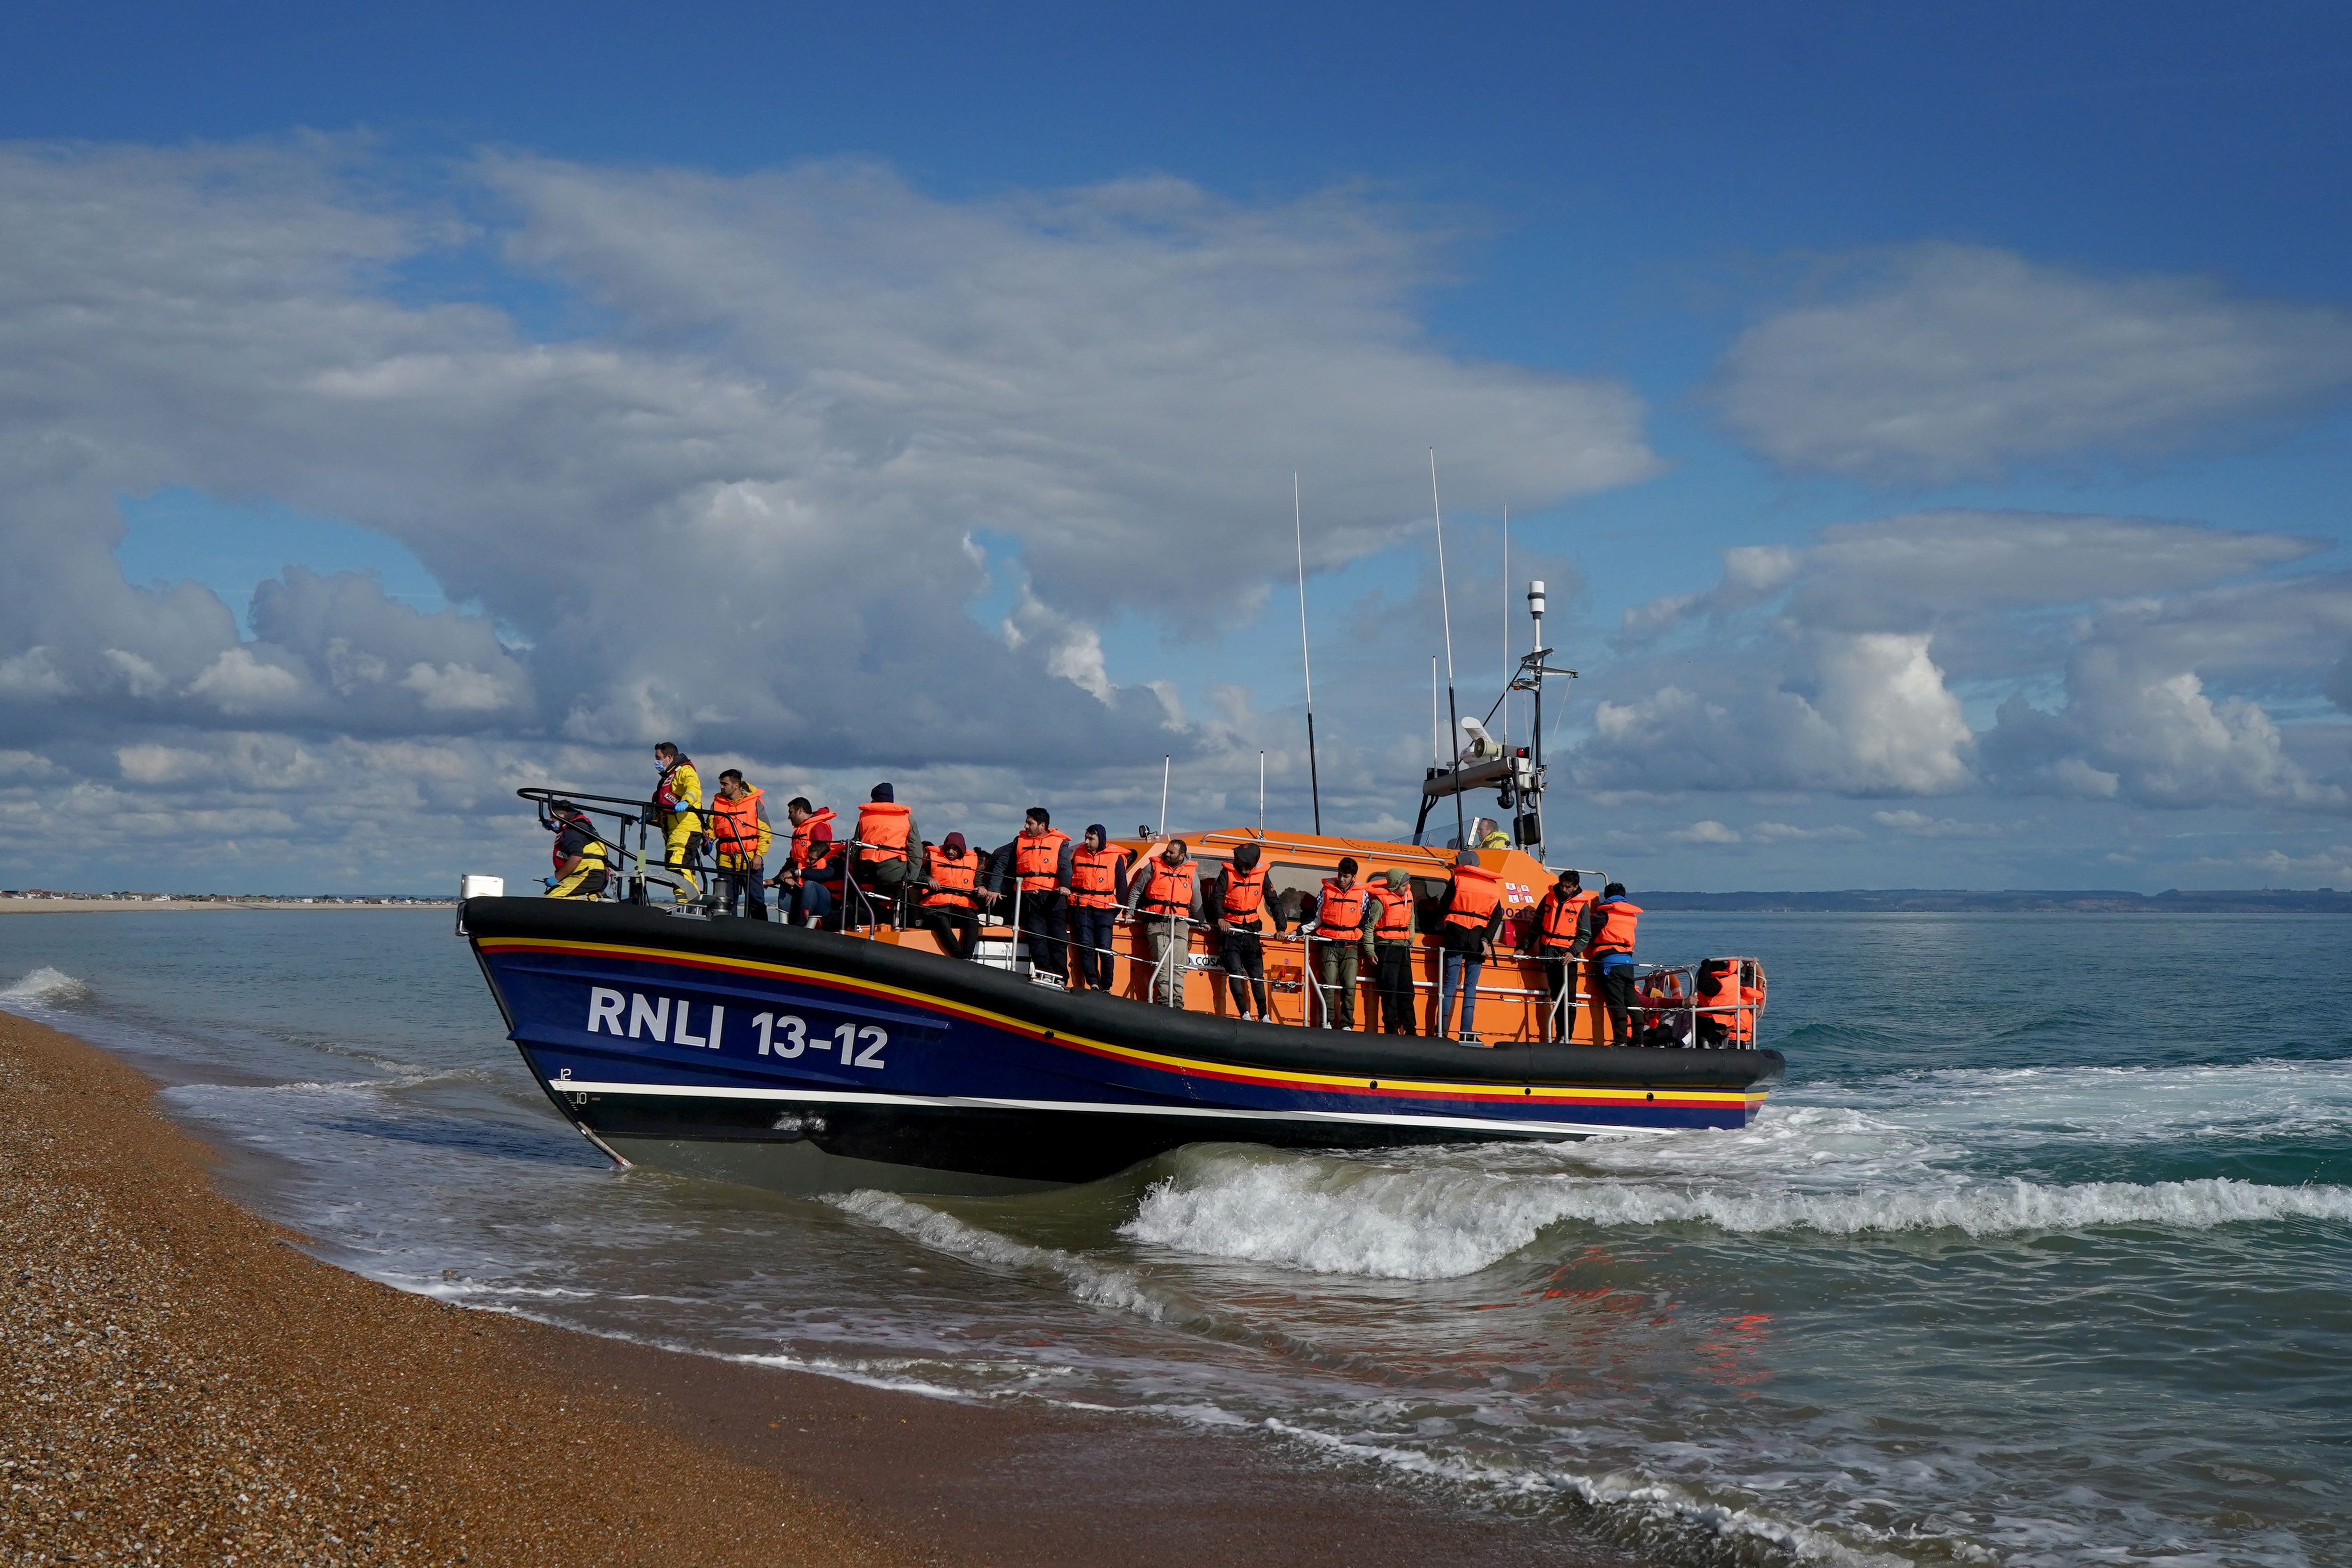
[
  {"x": 1166, "y": 764},
  {"x": 1313, "y": 779},
  {"x": 1261, "y": 795},
  {"x": 1446, "y": 608}
]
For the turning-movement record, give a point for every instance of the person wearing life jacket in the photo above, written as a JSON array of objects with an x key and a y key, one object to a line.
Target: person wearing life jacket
[
  {"x": 801, "y": 883},
  {"x": 1563, "y": 930},
  {"x": 583, "y": 865},
  {"x": 1717, "y": 990},
  {"x": 883, "y": 863},
  {"x": 1097, "y": 889},
  {"x": 1389, "y": 939},
  {"x": 1467, "y": 918},
  {"x": 1611, "y": 951},
  {"x": 740, "y": 834},
  {"x": 1034, "y": 872},
  {"x": 952, "y": 896},
  {"x": 1664, "y": 1010},
  {"x": 677, "y": 811},
  {"x": 1236, "y": 907},
  {"x": 1165, "y": 894},
  {"x": 1341, "y": 911}
]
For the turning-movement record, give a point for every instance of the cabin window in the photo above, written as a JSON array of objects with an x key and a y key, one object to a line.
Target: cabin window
[
  {"x": 1426, "y": 892},
  {"x": 1291, "y": 890}
]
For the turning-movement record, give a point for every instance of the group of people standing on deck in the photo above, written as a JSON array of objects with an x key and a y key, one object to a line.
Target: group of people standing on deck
[{"x": 1067, "y": 895}]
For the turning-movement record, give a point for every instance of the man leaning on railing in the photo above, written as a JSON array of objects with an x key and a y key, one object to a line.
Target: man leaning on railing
[{"x": 1165, "y": 893}]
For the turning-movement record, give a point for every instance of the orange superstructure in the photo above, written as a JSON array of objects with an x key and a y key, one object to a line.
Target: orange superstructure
[{"x": 1511, "y": 997}]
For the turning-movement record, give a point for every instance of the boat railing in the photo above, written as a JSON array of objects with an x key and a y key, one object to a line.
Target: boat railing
[{"x": 629, "y": 867}]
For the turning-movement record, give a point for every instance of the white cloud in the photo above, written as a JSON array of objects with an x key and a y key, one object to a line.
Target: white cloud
[
  {"x": 738, "y": 514},
  {"x": 1943, "y": 361},
  {"x": 1706, "y": 832},
  {"x": 239, "y": 684},
  {"x": 1857, "y": 715},
  {"x": 1832, "y": 666}
]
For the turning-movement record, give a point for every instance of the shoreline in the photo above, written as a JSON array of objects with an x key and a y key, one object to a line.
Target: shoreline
[
  {"x": 183, "y": 1380},
  {"x": 193, "y": 906}
]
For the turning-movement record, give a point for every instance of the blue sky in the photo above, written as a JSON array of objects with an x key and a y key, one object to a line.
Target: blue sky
[{"x": 1669, "y": 283}]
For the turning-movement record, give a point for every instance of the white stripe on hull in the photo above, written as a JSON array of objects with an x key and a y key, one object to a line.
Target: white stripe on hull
[{"x": 958, "y": 1102}]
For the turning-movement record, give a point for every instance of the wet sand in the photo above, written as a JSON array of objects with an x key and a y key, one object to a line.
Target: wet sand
[{"x": 182, "y": 1384}]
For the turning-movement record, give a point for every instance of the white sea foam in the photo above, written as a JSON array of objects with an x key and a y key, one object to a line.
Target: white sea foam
[
  {"x": 1340, "y": 1216},
  {"x": 1102, "y": 1284},
  {"x": 1656, "y": 1502},
  {"x": 45, "y": 987}
]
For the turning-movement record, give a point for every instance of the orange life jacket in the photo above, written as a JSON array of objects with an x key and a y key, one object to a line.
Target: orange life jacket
[
  {"x": 952, "y": 882},
  {"x": 1477, "y": 893},
  {"x": 882, "y": 831},
  {"x": 735, "y": 823},
  {"x": 1244, "y": 893},
  {"x": 799, "y": 851},
  {"x": 1340, "y": 913},
  {"x": 1094, "y": 877},
  {"x": 1559, "y": 915},
  {"x": 1395, "y": 924},
  {"x": 1724, "y": 991},
  {"x": 1170, "y": 891},
  {"x": 1618, "y": 919},
  {"x": 1039, "y": 860}
]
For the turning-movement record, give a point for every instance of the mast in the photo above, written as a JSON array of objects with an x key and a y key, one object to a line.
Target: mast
[
  {"x": 1535, "y": 743},
  {"x": 1298, "y": 537},
  {"x": 1446, "y": 607}
]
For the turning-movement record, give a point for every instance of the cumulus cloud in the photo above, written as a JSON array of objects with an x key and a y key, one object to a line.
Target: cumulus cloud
[
  {"x": 1943, "y": 361},
  {"x": 736, "y": 513},
  {"x": 1866, "y": 714},
  {"x": 2134, "y": 653}
]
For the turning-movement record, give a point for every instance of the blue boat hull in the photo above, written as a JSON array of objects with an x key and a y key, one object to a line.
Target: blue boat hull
[{"x": 803, "y": 1059}]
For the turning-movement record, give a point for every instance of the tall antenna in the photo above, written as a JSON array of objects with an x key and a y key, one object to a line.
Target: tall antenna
[
  {"x": 1446, "y": 607},
  {"x": 1506, "y": 629},
  {"x": 1261, "y": 795},
  {"x": 1298, "y": 537},
  {"x": 1436, "y": 725},
  {"x": 1165, "y": 764}
]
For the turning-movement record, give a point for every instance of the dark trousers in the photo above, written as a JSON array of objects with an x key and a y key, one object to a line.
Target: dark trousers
[
  {"x": 957, "y": 930},
  {"x": 1560, "y": 989},
  {"x": 741, "y": 889},
  {"x": 1243, "y": 959},
  {"x": 1041, "y": 926},
  {"x": 1617, "y": 996},
  {"x": 1395, "y": 980},
  {"x": 1091, "y": 933}
]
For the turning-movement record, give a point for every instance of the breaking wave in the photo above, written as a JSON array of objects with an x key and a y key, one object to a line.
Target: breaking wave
[
  {"x": 45, "y": 987},
  {"x": 1338, "y": 1216}
]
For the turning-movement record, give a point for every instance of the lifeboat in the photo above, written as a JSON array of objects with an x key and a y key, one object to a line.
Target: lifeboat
[{"x": 808, "y": 1060}]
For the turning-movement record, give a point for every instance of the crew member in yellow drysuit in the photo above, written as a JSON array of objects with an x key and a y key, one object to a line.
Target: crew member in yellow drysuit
[{"x": 677, "y": 807}]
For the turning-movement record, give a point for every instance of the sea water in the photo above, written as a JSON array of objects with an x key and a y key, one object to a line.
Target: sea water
[{"x": 2042, "y": 1255}]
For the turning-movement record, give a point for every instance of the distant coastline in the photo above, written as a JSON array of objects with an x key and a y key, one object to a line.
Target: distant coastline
[
  {"x": 1954, "y": 901},
  {"x": 33, "y": 903}
]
